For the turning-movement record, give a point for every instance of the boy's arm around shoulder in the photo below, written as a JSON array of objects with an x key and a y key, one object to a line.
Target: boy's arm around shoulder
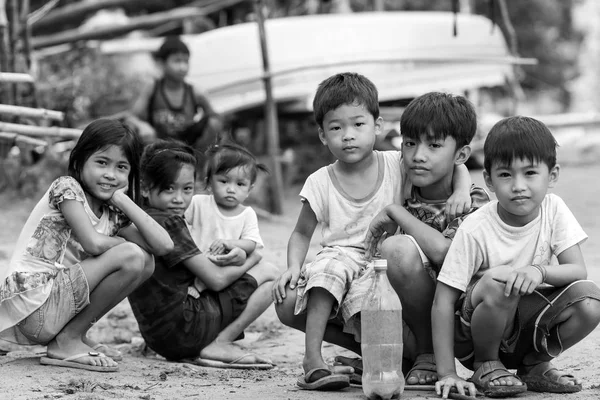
[
  {"x": 296, "y": 251},
  {"x": 459, "y": 201},
  {"x": 145, "y": 231}
]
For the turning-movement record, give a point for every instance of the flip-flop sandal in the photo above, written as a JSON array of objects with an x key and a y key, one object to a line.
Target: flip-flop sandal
[
  {"x": 538, "y": 380},
  {"x": 490, "y": 371},
  {"x": 235, "y": 364},
  {"x": 330, "y": 381},
  {"x": 356, "y": 363},
  {"x": 423, "y": 362},
  {"x": 113, "y": 353},
  {"x": 69, "y": 362}
]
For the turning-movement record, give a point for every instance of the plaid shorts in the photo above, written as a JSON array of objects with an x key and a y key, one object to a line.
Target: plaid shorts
[
  {"x": 201, "y": 321},
  {"x": 337, "y": 270},
  {"x": 534, "y": 329}
]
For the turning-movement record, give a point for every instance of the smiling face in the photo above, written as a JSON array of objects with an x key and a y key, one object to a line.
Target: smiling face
[
  {"x": 349, "y": 132},
  {"x": 104, "y": 172},
  {"x": 520, "y": 188},
  {"x": 176, "y": 198},
  {"x": 230, "y": 189},
  {"x": 430, "y": 161}
]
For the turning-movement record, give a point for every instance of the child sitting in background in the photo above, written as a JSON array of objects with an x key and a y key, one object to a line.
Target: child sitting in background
[
  {"x": 323, "y": 298},
  {"x": 172, "y": 108},
  {"x": 84, "y": 248},
  {"x": 175, "y": 319},
  {"x": 501, "y": 300},
  {"x": 219, "y": 220},
  {"x": 436, "y": 131}
]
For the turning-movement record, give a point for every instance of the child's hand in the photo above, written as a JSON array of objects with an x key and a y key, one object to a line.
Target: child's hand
[
  {"x": 220, "y": 246},
  {"x": 380, "y": 225},
  {"x": 458, "y": 203},
  {"x": 444, "y": 385},
  {"x": 290, "y": 276},
  {"x": 523, "y": 281},
  {"x": 235, "y": 257},
  {"x": 117, "y": 196}
]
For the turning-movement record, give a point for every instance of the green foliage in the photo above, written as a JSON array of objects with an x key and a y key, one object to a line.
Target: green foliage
[{"x": 84, "y": 85}]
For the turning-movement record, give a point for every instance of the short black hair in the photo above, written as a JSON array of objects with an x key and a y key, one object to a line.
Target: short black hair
[
  {"x": 440, "y": 115},
  {"x": 522, "y": 138},
  {"x": 345, "y": 88},
  {"x": 171, "y": 45},
  {"x": 224, "y": 157},
  {"x": 162, "y": 161}
]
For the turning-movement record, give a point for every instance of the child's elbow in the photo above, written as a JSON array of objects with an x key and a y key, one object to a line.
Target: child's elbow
[{"x": 165, "y": 248}]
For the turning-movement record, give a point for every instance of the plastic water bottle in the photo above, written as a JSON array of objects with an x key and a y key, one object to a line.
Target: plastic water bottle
[{"x": 381, "y": 332}]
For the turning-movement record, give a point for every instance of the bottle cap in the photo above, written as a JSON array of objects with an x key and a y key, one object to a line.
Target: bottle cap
[{"x": 380, "y": 263}]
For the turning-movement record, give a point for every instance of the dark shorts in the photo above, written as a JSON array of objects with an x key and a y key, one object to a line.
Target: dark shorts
[
  {"x": 534, "y": 328},
  {"x": 203, "y": 318}
]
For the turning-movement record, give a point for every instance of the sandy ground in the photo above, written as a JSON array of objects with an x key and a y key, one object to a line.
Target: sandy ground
[{"x": 147, "y": 377}]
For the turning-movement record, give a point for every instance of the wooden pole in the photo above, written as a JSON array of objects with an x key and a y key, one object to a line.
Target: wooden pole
[
  {"x": 13, "y": 137},
  {"x": 141, "y": 22},
  {"x": 11, "y": 77},
  {"x": 31, "y": 112},
  {"x": 270, "y": 116},
  {"x": 40, "y": 131}
]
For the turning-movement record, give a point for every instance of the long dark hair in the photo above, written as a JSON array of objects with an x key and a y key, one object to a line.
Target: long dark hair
[{"x": 99, "y": 135}]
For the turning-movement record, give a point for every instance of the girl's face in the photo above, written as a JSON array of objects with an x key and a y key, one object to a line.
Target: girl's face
[
  {"x": 232, "y": 188},
  {"x": 177, "y": 197},
  {"x": 106, "y": 171}
]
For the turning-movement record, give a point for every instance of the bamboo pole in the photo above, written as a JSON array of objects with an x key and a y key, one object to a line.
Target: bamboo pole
[
  {"x": 5, "y": 52},
  {"x": 12, "y": 77},
  {"x": 40, "y": 131},
  {"x": 79, "y": 10},
  {"x": 270, "y": 116},
  {"x": 141, "y": 22},
  {"x": 23, "y": 139},
  {"x": 31, "y": 112}
]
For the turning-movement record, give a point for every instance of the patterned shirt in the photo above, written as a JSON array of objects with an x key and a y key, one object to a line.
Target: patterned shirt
[
  {"x": 433, "y": 213},
  {"x": 46, "y": 245}
]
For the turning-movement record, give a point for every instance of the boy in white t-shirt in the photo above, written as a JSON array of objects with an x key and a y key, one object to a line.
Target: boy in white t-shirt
[
  {"x": 323, "y": 298},
  {"x": 501, "y": 300}
]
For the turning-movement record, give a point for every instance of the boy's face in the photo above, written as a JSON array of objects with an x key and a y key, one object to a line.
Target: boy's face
[
  {"x": 176, "y": 66},
  {"x": 520, "y": 188},
  {"x": 430, "y": 162},
  {"x": 349, "y": 131}
]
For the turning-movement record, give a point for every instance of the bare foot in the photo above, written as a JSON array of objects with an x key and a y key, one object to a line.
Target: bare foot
[
  {"x": 228, "y": 352},
  {"x": 62, "y": 347}
]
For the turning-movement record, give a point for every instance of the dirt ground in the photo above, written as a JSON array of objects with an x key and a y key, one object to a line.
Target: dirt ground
[{"x": 148, "y": 377}]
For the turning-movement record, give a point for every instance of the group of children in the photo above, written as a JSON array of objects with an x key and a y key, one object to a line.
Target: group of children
[{"x": 497, "y": 284}]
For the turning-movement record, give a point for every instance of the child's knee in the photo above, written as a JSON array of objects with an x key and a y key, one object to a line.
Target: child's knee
[
  {"x": 589, "y": 311},
  {"x": 133, "y": 259},
  {"x": 285, "y": 311},
  {"x": 491, "y": 293},
  {"x": 402, "y": 255}
]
